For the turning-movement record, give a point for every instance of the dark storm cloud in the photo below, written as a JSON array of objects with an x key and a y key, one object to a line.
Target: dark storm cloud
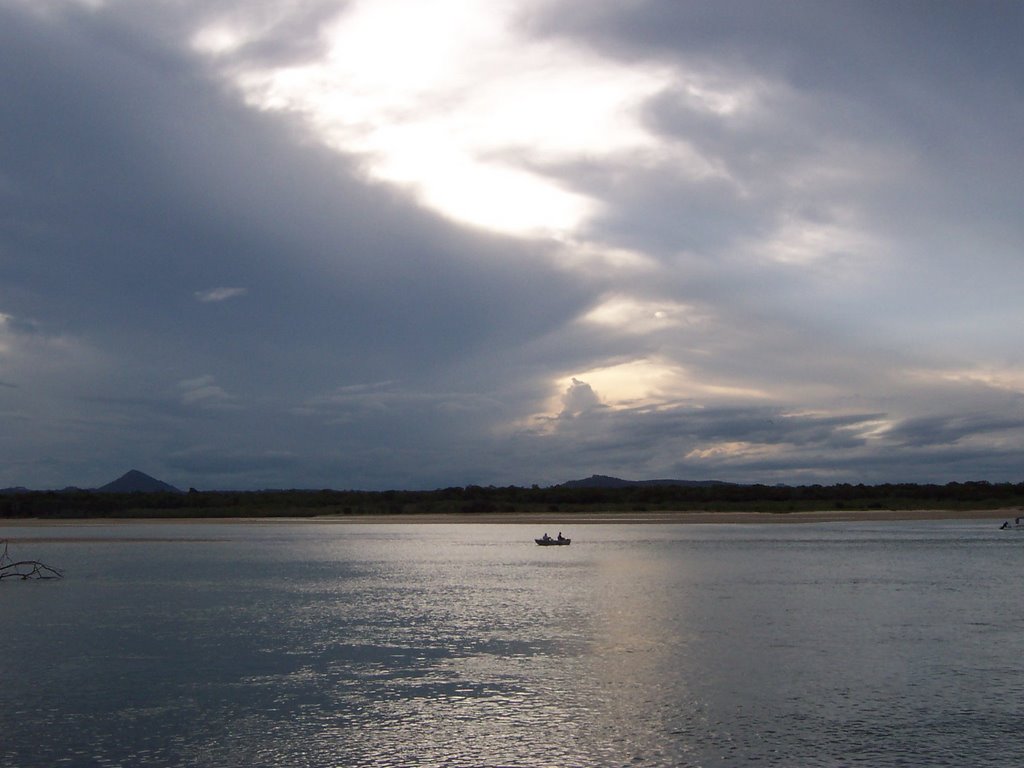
[
  {"x": 131, "y": 186},
  {"x": 828, "y": 214},
  {"x": 948, "y": 430},
  {"x": 770, "y": 446},
  {"x": 689, "y": 441},
  {"x": 859, "y": 46},
  {"x": 178, "y": 191},
  {"x": 933, "y": 92}
]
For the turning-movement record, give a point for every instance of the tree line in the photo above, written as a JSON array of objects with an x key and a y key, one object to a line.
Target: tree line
[{"x": 475, "y": 499}]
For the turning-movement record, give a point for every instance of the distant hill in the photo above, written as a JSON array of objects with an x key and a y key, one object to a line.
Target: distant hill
[
  {"x": 134, "y": 481},
  {"x": 13, "y": 490},
  {"x": 604, "y": 481}
]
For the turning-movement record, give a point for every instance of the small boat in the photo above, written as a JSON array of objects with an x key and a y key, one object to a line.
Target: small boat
[
  {"x": 547, "y": 541},
  {"x": 1016, "y": 525}
]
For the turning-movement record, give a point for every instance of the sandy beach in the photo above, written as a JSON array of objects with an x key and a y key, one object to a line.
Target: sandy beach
[{"x": 694, "y": 518}]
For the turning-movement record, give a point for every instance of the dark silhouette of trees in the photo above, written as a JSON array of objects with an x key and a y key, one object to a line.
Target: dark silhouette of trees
[{"x": 475, "y": 499}]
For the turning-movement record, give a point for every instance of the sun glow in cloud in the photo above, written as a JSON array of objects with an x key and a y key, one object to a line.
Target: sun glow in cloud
[
  {"x": 218, "y": 39},
  {"x": 645, "y": 382},
  {"x": 450, "y": 100},
  {"x": 1009, "y": 379},
  {"x": 732, "y": 450},
  {"x": 635, "y": 316},
  {"x": 872, "y": 429}
]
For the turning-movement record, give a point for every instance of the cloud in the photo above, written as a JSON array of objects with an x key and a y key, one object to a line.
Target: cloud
[
  {"x": 204, "y": 392},
  {"x": 512, "y": 105},
  {"x": 730, "y": 240},
  {"x": 219, "y": 294},
  {"x": 579, "y": 398}
]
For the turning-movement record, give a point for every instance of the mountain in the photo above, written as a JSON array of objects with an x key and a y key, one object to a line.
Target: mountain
[
  {"x": 598, "y": 481},
  {"x": 604, "y": 481},
  {"x": 134, "y": 481}
]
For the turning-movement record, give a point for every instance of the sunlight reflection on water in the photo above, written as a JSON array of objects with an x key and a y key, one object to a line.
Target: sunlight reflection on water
[{"x": 889, "y": 644}]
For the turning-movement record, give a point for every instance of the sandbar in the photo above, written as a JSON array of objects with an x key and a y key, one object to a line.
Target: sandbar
[{"x": 552, "y": 518}]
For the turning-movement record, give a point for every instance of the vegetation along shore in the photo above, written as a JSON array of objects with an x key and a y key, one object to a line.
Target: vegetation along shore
[{"x": 641, "y": 502}]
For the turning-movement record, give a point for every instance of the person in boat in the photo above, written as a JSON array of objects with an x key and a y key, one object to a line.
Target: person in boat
[
  {"x": 1005, "y": 525},
  {"x": 560, "y": 538},
  {"x": 545, "y": 537}
]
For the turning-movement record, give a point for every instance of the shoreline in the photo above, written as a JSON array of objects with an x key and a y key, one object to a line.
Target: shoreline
[{"x": 550, "y": 518}]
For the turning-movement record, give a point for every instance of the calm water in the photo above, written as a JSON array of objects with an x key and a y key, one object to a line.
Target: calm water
[{"x": 898, "y": 644}]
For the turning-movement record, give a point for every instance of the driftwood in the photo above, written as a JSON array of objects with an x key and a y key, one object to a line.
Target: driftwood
[{"x": 25, "y": 569}]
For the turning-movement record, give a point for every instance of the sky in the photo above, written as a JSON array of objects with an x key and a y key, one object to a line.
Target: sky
[{"x": 384, "y": 244}]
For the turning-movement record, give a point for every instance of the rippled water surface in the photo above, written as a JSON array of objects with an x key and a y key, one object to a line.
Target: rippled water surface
[{"x": 301, "y": 644}]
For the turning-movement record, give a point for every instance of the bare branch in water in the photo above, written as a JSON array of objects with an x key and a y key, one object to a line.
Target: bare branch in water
[{"x": 25, "y": 569}]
